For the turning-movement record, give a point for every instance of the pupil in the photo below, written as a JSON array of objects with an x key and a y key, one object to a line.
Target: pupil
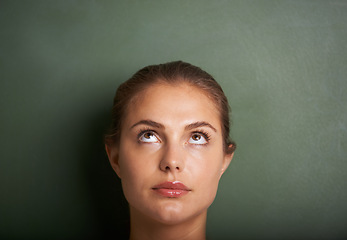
[
  {"x": 148, "y": 135},
  {"x": 196, "y": 137}
]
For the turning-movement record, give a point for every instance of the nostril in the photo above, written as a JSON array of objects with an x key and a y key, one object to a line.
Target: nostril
[{"x": 168, "y": 168}]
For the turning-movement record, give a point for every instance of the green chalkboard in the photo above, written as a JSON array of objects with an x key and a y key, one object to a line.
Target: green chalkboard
[{"x": 282, "y": 65}]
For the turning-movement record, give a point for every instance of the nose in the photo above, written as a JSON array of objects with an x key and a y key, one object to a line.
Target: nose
[{"x": 172, "y": 159}]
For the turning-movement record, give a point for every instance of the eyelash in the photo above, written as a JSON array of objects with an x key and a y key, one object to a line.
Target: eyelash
[
  {"x": 204, "y": 134},
  {"x": 146, "y": 130}
]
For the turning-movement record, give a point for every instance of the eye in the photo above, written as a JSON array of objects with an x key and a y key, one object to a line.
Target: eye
[
  {"x": 148, "y": 137},
  {"x": 198, "y": 138}
]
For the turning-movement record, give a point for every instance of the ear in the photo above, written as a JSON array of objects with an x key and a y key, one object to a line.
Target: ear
[
  {"x": 226, "y": 161},
  {"x": 113, "y": 157}
]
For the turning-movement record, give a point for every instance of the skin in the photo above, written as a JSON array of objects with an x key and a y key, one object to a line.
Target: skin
[{"x": 159, "y": 142}]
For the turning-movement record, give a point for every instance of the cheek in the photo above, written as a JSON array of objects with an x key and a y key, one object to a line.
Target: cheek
[
  {"x": 207, "y": 172},
  {"x": 209, "y": 183},
  {"x": 136, "y": 172},
  {"x": 207, "y": 163}
]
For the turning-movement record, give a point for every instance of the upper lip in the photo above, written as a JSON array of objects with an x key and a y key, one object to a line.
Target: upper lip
[{"x": 172, "y": 185}]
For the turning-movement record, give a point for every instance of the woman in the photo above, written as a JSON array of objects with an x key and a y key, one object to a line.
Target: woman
[{"x": 169, "y": 144}]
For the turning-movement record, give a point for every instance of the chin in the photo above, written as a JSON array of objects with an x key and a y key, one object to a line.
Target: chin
[
  {"x": 168, "y": 213},
  {"x": 173, "y": 216}
]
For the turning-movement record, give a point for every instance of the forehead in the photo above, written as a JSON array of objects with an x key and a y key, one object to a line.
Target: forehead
[{"x": 172, "y": 104}]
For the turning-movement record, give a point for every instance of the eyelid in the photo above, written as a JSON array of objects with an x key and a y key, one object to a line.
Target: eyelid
[
  {"x": 204, "y": 134},
  {"x": 147, "y": 130}
]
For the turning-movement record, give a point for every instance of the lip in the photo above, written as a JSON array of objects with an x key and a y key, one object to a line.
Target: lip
[{"x": 174, "y": 189}]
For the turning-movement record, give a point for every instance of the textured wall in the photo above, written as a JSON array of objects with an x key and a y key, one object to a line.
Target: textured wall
[{"x": 282, "y": 65}]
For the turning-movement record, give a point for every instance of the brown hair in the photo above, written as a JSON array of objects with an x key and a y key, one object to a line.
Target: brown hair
[{"x": 171, "y": 73}]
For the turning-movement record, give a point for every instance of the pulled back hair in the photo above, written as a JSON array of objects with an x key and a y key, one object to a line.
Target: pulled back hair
[{"x": 173, "y": 73}]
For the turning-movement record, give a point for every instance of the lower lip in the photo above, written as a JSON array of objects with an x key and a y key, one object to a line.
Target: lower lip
[{"x": 171, "y": 193}]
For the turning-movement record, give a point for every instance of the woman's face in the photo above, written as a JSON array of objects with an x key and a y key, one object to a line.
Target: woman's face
[{"x": 170, "y": 157}]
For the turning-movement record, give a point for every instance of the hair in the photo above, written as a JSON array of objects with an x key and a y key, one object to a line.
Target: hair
[{"x": 173, "y": 73}]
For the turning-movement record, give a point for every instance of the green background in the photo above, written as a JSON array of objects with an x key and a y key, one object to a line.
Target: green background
[{"x": 282, "y": 64}]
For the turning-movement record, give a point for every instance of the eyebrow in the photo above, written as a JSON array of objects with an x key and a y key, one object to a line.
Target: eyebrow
[
  {"x": 188, "y": 127},
  {"x": 149, "y": 123},
  {"x": 200, "y": 124}
]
